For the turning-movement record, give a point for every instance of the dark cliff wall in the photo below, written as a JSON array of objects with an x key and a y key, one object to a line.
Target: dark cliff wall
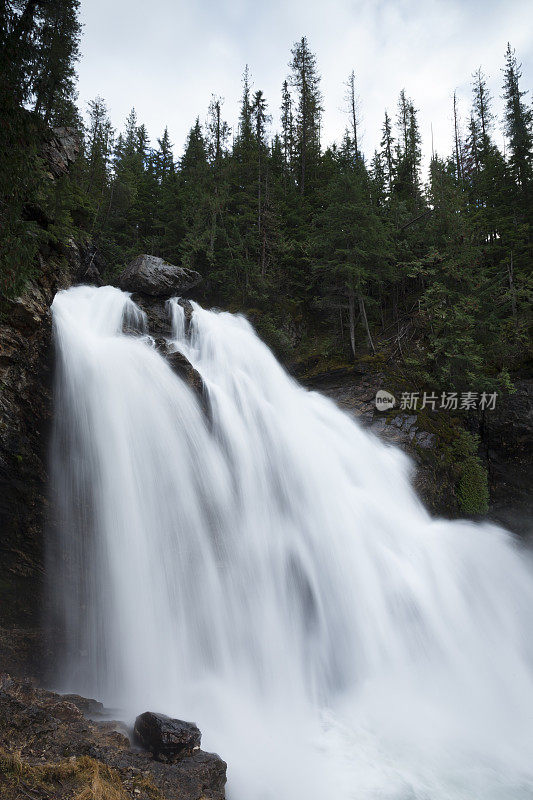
[
  {"x": 26, "y": 366},
  {"x": 26, "y": 369}
]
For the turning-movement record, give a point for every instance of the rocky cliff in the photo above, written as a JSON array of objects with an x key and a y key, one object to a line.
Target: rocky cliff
[{"x": 25, "y": 415}]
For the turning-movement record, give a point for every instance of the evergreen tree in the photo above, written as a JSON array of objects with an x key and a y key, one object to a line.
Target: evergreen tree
[
  {"x": 408, "y": 152},
  {"x": 306, "y": 81},
  {"x": 387, "y": 145},
  {"x": 164, "y": 158},
  {"x": 287, "y": 128},
  {"x": 54, "y": 71},
  {"x": 353, "y": 111},
  {"x": 518, "y": 123}
]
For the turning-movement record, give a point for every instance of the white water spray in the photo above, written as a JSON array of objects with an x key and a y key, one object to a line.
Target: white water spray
[{"x": 269, "y": 573}]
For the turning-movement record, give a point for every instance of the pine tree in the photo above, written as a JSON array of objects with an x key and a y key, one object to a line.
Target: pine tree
[
  {"x": 353, "y": 111},
  {"x": 408, "y": 152},
  {"x": 482, "y": 106},
  {"x": 36, "y": 65},
  {"x": 98, "y": 146},
  {"x": 164, "y": 158},
  {"x": 353, "y": 243},
  {"x": 387, "y": 145},
  {"x": 218, "y": 131},
  {"x": 306, "y": 81},
  {"x": 459, "y": 167},
  {"x": 54, "y": 77},
  {"x": 287, "y": 128},
  {"x": 192, "y": 224},
  {"x": 518, "y": 123}
]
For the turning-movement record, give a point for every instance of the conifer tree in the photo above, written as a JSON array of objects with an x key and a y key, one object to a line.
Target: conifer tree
[
  {"x": 287, "y": 128},
  {"x": 54, "y": 70},
  {"x": 353, "y": 111},
  {"x": 306, "y": 81},
  {"x": 518, "y": 123},
  {"x": 164, "y": 159},
  {"x": 387, "y": 145}
]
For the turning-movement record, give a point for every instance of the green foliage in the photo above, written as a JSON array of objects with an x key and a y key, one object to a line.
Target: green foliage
[
  {"x": 38, "y": 51},
  {"x": 472, "y": 489}
]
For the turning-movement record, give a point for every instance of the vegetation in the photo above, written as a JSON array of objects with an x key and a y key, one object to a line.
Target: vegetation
[
  {"x": 81, "y": 778},
  {"x": 471, "y": 475},
  {"x": 438, "y": 275}
]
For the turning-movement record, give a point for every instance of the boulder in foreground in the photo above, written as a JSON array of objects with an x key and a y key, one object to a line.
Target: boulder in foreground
[
  {"x": 165, "y": 737},
  {"x": 155, "y": 277}
]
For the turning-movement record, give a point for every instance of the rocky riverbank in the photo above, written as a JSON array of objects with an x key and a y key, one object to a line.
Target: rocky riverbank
[{"x": 54, "y": 747}]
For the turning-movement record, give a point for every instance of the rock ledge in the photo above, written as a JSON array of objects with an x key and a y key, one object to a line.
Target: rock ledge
[{"x": 155, "y": 277}]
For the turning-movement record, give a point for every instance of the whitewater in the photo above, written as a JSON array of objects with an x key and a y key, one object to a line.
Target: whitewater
[{"x": 266, "y": 570}]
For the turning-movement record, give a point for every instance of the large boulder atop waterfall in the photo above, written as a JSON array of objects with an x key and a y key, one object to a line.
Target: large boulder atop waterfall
[
  {"x": 165, "y": 737},
  {"x": 155, "y": 277}
]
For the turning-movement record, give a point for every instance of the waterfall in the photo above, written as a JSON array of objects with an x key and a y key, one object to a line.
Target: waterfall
[{"x": 267, "y": 571}]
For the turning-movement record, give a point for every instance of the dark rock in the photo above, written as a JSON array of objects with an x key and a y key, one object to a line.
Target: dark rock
[
  {"x": 92, "y": 276},
  {"x": 84, "y": 704},
  {"x": 188, "y": 311},
  {"x": 88, "y": 264},
  {"x": 93, "y": 266},
  {"x": 157, "y": 315},
  {"x": 60, "y": 151},
  {"x": 153, "y": 276},
  {"x": 183, "y": 367},
  {"x": 166, "y": 738},
  {"x": 507, "y": 440},
  {"x": 425, "y": 440}
]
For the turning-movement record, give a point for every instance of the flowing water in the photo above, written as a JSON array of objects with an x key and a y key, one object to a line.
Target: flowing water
[{"x": 267, "y": 571}]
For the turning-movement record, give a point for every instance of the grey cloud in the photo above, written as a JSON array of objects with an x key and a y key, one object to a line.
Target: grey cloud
[{"x": 167, "y": 57}]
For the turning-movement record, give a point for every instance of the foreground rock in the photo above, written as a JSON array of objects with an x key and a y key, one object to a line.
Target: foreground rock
[
  {"x": 152, "y": 276},
  {"x": 166, "y": 738},
  {"x": 48, "y": 749}
]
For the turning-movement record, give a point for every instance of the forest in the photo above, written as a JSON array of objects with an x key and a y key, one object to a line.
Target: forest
[{"x": 367, "y": 256}]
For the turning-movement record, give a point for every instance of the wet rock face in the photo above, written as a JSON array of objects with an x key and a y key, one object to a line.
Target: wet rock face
[
  {"x": 182, "y": 367},
  {"x": 152, "y": 276},
  {"x": 507, "y": 438},
  {"x": 49, "y": 734},
  {"x": 25, "y": 416},
  {"x": 166, "y": 738},
  {"x": 159, "y": 327}
]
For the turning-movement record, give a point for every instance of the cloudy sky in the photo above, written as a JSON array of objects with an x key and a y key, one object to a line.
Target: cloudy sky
[{"x": 166, "y": 57}]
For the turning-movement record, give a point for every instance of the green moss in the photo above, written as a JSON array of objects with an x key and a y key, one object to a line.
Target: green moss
[
  {"x": 473, "y": 488},
  {"x": 471, "y": 477}
]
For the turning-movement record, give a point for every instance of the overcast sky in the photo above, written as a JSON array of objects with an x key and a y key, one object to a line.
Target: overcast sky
[{"x": 166, "y": 57}]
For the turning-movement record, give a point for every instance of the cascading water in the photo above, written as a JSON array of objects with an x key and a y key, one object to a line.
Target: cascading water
[{"x": 269, "y": 573}]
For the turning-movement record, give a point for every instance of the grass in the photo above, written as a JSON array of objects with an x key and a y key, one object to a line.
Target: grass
[{"x": 80, "y": 778}]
